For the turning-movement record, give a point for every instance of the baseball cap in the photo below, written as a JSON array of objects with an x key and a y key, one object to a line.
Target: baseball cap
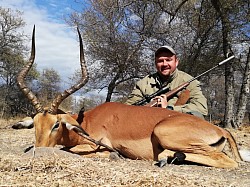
[{"x": 165, "y": 48}]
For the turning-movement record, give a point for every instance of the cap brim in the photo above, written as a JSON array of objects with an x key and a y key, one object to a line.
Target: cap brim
[{"x": 165, "y": 48}]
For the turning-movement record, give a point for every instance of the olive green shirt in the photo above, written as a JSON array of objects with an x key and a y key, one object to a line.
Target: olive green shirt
[{"x": 151, "y": 83}]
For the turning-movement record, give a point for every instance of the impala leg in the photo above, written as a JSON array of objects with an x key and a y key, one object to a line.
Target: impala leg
[
  {"x": 216, "y": 159},
  {"x": 178, "y": 138}
]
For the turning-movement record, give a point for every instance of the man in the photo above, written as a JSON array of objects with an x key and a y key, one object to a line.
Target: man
[{"x": 168, "y": 75}]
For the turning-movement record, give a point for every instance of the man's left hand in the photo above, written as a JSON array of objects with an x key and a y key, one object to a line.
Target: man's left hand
[{"x": 161, "y": 101}]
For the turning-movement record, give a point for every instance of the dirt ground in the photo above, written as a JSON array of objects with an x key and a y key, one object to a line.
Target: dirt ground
[{"x": 53, "y": 167}]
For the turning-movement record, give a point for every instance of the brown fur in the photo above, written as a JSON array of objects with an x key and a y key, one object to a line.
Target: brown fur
[
  {"x": 183, "y": 98},
  {"x": 140, "y": 132}
]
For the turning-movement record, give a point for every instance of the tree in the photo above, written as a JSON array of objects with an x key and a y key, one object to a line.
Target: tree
[
  {"x": 113, "y": 28},
  {"x": 114, "y": 50},
  {"x": 68, "y": 105},
  {"x": 244, "y": 92},
  {"x": 49, "y": 86},
  {"x": 12, "y": 52},
  {"x": 228, "y": 16}
]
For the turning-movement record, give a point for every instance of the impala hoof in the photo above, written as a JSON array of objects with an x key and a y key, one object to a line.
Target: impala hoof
[
  {"x": 162, "y": 163},
  {"x": 28, "y": 148},
  {"x": 179, "y": 157},
  {"x": 114, "y": 156},
  {"x": 25, "y": 123}
]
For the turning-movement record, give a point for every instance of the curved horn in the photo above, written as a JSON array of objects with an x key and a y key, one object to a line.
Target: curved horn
[
  {"x": 57, "y": 101},
  {"x": 22, "y": 74}
]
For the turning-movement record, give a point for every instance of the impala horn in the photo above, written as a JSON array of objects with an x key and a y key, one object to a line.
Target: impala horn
[
  {"x": 84, "y": 79},
  {"x": 57, "y": 101},
  {"x": 21, "y": 76}
]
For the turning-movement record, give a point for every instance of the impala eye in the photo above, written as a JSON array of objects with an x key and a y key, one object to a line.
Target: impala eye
[{"x": 56, "y": 126}]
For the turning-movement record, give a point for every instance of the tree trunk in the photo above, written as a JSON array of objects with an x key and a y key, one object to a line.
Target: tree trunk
[
  {"x": 111, "y": 87},
  {"x": 229, "y": 119},
  {"x": 244, "y": 93}
]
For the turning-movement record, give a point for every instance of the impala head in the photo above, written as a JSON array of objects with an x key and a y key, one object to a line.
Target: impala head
[
  {"x": 50, "y": 121},
  {"x": 54, "y": 129}
]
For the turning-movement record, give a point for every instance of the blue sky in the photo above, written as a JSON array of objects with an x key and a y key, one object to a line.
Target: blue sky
[
  {"x": 56, "y": 42},
  {"x": 57, "y": 9}
]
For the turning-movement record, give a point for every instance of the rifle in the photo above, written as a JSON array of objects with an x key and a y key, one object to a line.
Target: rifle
[{"x": 176, "y": 90}]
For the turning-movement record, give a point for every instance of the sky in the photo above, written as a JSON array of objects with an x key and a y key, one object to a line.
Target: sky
[{"x": 56, "y": 43}]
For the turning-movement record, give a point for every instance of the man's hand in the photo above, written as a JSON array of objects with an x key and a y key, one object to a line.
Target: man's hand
[{"x": 161, "y": 101}]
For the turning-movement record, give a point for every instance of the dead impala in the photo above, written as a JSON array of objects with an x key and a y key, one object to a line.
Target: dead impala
[{"x": 136, "y": 132}]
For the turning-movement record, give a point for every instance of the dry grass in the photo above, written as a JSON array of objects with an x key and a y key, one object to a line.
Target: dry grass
[{"x": 53, "y": 167}]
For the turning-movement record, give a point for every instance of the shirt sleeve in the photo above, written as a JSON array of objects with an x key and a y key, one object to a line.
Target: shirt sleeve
[{"x": 135, "y": 95}]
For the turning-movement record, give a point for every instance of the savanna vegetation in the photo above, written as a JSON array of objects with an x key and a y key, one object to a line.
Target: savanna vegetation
[{"x": 120, "y": 38}]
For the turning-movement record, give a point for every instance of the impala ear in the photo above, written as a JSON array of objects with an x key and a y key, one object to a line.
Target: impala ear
[
  {"x": 76, "y": 128},
  {"x": 71, "y": 124}
]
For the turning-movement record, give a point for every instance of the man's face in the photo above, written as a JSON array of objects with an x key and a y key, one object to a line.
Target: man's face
[{"x": 166, "y": 63}]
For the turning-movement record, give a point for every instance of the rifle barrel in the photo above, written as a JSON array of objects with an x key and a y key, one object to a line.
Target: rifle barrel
[
  {"x": 222, "y": 62},
  {"x": 179, "y": 88}
]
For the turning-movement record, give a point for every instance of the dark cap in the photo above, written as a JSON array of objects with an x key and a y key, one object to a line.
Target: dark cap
[{"x": 165, "y": 48}]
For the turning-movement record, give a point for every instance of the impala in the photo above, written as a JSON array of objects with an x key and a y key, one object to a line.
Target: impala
[{"x": 136, "y": 132}]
